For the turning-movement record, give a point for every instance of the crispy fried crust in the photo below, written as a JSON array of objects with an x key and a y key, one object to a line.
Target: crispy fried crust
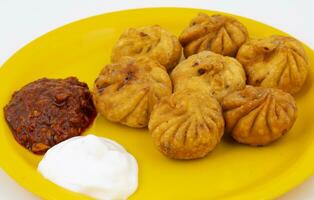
[
  {"x": 152, "y": 41},
  {"x": 258, "y": 116},
  {"x": 217, "y": 33},
  {"x": 186, "y": 125},
  {"x": 209, "y": 72},
  {"x": 126, "y": 91},
  {"x": 276, "y": 62}
]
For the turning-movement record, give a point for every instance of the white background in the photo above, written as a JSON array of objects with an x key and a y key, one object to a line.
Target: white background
[{"x": 24, "y": 20}]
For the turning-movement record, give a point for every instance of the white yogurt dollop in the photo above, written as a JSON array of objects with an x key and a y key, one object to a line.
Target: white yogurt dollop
[{"x": 95, "y": 166}]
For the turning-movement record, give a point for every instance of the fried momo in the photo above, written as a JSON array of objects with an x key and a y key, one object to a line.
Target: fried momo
[
  {"x": 126, "y": 91},
  {"x": 276, "y": 62},
  {"x": 186, "y": 125},
  {"x": 152, "y": 41},
  {"x": 217, "y": 33},
  {"x": 209, "y": 72},
  {"x": 258, "y": 116}
]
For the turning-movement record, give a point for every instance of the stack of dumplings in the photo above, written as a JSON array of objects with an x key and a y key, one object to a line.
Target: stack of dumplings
[{"x": 227, "y": 83}]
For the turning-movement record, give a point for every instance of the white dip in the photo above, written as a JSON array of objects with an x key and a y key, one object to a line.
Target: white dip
[{"x": 91, "y": 165}]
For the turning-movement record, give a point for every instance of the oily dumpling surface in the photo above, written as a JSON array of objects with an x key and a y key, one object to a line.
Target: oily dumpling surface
[
  {"x": 126, "y": 91},
  {"x": 152, "y": 41},
  {"x": 209, "y": 72},
  {"x": 218, "y": 33},
  {"x": 186, "y": 125},
  {"x": 258, "y": 116},
  {"x": 276, "y": 62}
]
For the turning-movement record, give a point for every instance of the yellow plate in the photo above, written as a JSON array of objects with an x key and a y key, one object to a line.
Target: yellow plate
[{"x": 232, "y": 171}]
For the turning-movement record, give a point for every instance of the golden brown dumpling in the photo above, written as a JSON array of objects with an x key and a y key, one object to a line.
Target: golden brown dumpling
[
  {"x": 276, "y": 62},
  {"x": 217, "y": 33},
  {"x": 209, "y": 72},
  {"x": 258, "y": 116},
  {"x": 152, "y": 41},
  {"x": 126, "y": 91},
  {"x": 186, "y": 125}
]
